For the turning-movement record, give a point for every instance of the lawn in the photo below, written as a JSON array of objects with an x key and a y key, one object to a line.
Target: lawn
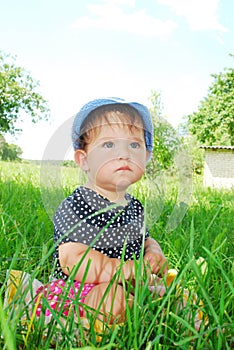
[{"x": 190, "y": 224}]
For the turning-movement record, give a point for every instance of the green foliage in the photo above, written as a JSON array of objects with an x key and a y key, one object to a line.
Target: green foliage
[
  {"x": 195, "y": 153},
  {"x": 69, "y": 163},
  {"x": 2, "y": 142},
  {"x": 9, "y": 152},
  {"x": 166, "y": 140},
  {"x": 213, "y": 123},
  {"x": 18, "y": 93}
]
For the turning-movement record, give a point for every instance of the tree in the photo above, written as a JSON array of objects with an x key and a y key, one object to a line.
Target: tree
[
  {"x": 166, "y": 140},
  {"x": 18, "y": 93},
  {"x": 11, "y": 152},
  {"x": 213, "y": 123},
  {"x": 2, "y": 142}
]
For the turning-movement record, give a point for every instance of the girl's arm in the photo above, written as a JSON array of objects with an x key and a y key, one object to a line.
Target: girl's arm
[
  {"x": 101, "y": 268},
  {"x": 154, "y": 257}
]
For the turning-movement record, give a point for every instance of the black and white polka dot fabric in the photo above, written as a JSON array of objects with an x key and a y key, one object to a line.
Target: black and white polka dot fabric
[{"x": 87, "y": 217}]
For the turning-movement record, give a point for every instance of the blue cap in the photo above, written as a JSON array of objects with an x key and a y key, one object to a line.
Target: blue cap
[{"x": 92, "y": 105}]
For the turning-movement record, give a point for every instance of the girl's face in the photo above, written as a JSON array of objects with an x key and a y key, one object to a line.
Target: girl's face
[{"x": 114, "y": 160}]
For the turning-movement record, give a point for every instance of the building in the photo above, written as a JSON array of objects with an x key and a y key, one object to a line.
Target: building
[{"x": 219, "y": 166}]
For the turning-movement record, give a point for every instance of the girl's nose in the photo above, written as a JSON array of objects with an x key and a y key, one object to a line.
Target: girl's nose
[{"x": 123, "y": 152}]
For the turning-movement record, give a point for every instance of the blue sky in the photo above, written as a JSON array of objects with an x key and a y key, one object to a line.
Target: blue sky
[{"x": 80, "y": 50}]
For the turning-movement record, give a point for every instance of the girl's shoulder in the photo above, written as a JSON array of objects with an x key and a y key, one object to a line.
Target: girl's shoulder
[
  {"x": 72, "y": 200},
  {"x": 133, "y": 201}
]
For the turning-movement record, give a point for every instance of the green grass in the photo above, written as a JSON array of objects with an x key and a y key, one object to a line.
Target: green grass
[{"x": 205, "y": 229}]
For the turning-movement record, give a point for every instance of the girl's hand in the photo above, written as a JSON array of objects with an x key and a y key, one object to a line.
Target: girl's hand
[
  {"x": 156, "y": 262},
  {"x": 128, "y": 270},
  {"x": 101, "y": 268},
  {"x": 154, "y": 257}
]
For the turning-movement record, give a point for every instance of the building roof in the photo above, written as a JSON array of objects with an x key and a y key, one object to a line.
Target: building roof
[{"x": 218, "y": 147}]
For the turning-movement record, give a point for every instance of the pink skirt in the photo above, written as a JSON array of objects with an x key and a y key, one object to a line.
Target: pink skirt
[{"x": 55, "y": 293}]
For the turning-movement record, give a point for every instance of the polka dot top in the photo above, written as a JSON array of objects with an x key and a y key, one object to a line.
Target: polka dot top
[{"x": 89, "y": 218}]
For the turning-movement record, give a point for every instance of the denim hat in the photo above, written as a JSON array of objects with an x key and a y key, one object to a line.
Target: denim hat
[{"x": 92, "y": 105}]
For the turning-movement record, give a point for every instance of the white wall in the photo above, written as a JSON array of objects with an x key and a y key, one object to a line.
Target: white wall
[{"x": 219, "y": 168}]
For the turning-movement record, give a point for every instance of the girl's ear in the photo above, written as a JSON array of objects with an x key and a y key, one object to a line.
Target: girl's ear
[
  {"x": 81, "y": 159},
  {"x": 148, "y": 155}
]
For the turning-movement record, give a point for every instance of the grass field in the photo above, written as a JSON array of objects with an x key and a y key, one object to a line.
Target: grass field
[{"x": 204, "y": 229}]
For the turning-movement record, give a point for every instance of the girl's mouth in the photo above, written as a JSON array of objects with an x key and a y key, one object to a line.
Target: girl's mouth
[{"x": 123, "y": 168}]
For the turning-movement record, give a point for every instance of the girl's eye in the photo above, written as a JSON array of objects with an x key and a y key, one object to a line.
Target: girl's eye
[
  {"x": 108, "y": 144},
  {"x": 135, "y": 145}
]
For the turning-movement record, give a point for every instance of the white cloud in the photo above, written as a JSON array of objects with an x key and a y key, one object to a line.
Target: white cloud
[
  {"x": 109, "y": 16},
  {"x": 199, "y": 14},
  {"x": 122, "y": 2}
]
